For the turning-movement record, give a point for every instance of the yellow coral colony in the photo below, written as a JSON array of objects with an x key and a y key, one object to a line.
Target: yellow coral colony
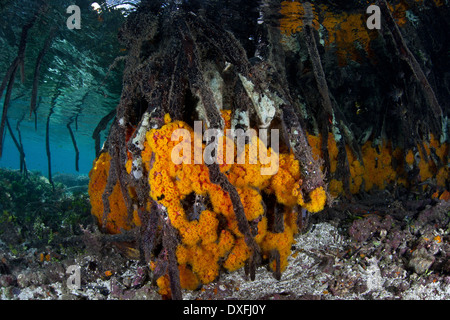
[
  {"x": 346, "y": 33},
  {"x": 213, "y": 241},
  {"x": 343, "y": 29},
  {"x": 382, "y": 165},
  {"x": 203, "y": 243}
]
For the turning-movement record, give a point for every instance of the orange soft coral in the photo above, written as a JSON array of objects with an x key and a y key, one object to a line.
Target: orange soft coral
[
  {"x": 97, "y": 183},
  {"x": 117, "y": 219},
  {"x": 344, "y": 30},
  {"x": 282, "y": 184},
  {"x": 188, "y": 279},
  {"x": 317, "y": 201},
  {"x": 292, "y": 15},
  {"x": 163, "y": 283},
  {"x": 238, "y": 255},
  {"x": 210, "y": 239},
  {"x": 382, "y": 165},
  {"x": 205, "y": 241},
  {"x": 284, "y": 181},
  {"x": 252, "y": 201},
  {"x": 282, "y": 242},
  {"x": 335, "y": 187},
  {"x": 291, "y": 20},
  {"x": 409, "y": 158},
  {"x": 202, "y": 231}
]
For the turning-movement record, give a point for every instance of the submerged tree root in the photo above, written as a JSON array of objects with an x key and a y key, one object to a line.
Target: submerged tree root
[{"x": 183, "y": 68}]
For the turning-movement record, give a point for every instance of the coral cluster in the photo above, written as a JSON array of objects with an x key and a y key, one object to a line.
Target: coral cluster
[
  {"x": 344, "y": 32},
  {"x": 117, "y": 219},
  {"x": 292, "y": 15},
  {"x": 202, "y": 212},
  {"x": 210, "y": 239},
  {"x": 380, "y": 165}
]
